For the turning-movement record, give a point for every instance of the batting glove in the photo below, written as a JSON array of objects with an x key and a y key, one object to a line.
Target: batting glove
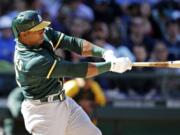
[
  {"x": 109, "y": 55},
  {"x": 121, "y": 65}
]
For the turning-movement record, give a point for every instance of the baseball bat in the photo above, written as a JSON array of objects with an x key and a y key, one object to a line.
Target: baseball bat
[{"x": 166, "y": 64}]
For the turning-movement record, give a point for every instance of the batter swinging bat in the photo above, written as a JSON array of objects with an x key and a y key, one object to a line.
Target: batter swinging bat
[{"x": 166, "y": 64}]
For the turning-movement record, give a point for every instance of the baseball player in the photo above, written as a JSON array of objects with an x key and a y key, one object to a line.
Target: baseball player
[{"x": 39, "y": 73}]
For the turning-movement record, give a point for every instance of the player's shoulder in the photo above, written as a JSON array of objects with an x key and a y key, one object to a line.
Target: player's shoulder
[
  {"x": 49, "y": 30},
  {"x": 52, "y": 34}
]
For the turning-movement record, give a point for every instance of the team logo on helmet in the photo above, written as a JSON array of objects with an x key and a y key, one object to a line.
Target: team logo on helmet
[{"x": 39, "y": 18}]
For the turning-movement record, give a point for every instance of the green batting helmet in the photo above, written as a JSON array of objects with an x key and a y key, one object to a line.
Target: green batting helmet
[{"x": 28, "y": 20}]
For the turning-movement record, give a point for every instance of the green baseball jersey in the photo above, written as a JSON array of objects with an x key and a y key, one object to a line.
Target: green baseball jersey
[{"x": 39, "y": 72}]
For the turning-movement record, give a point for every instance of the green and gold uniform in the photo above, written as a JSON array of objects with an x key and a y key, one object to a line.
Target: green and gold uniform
[{"x": 39, "y": 72}]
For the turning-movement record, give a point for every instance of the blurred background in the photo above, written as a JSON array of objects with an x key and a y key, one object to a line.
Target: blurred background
[{"x": 143, "y": 101}]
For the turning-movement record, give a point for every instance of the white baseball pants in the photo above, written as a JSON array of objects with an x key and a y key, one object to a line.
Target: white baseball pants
[{"x": 57, "y": 118}]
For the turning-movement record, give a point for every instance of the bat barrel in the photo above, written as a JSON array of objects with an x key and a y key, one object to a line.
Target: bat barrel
[{"x": 166, "y": 64}]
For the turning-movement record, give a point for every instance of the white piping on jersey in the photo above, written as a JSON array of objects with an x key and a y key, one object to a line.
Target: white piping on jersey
[
  {"x": 51, "y": 44},
  {"x": 51, "y": 69},
  {"x": 60, "y": 38},
  {"x": 25, "y": 49},
  {"x": 20, "y": 49}
]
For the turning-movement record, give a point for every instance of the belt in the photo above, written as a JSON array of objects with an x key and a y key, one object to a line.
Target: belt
[{"x": 60, "y": 96}]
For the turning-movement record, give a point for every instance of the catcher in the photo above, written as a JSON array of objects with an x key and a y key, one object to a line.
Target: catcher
[{"x": 39, "y": 73}]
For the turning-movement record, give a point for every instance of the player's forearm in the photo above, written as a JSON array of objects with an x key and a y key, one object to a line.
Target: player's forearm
[
  {"x": 97, "y": 68},
  {"x": 89, "y": 49},
  {"x": 81, "y": 69}
]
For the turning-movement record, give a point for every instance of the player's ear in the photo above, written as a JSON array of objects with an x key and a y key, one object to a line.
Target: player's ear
[
  {"x": 23, "y": 37},
  {"x": 22, "y": 34}
]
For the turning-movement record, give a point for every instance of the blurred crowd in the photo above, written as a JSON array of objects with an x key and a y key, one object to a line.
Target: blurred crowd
[{"x": 143, "y": 30}]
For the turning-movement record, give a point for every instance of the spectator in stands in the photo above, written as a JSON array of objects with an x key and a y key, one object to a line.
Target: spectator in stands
[
  {"x": 124, "y": 51},
  {"x": 140, "y": 53},
  {"x": 145, "y": 10},
  {"x": 79, "y": 27},
  {"x": 137, "y": 35},
  {"x": 87, "y": 93},
  {"x": 5, "y": 7},
  {"x": 128, "y": 2},
  {"x": 104, "y": 11},
  {"x": 53, "y": 7},
  {"x": 7, "y": 44},
  {"x": 141, "y": 88},
  {"x": 36, "y": 5},
  {"x": 79, "y": 9},
  {"x": 151, "y": 27},
  {"x": 160, "y": 53},
  {"x": 162, "y": 12},
  {"x": 115, "y": 37},
  {"x": 18, "y": 6},
  {"x": 172, "y": 38},
  {"x": 70, "y": 10},
  {"x": 61, "y": 20},
  {"x": 100, "y": 34}
]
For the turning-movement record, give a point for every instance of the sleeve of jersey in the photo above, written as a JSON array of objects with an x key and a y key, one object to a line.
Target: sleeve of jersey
[
  {"x": 50, "y": 68},
  {"x": 72, "y": 44},
  {"x": 60, "y": 40},
  {"x": 67, "y": 69}
]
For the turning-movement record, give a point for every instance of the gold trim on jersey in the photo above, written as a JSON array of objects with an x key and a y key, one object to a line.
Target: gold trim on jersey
[
  {"x": 60, "y": 38},
  {"x": 52, "y": 68}
]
